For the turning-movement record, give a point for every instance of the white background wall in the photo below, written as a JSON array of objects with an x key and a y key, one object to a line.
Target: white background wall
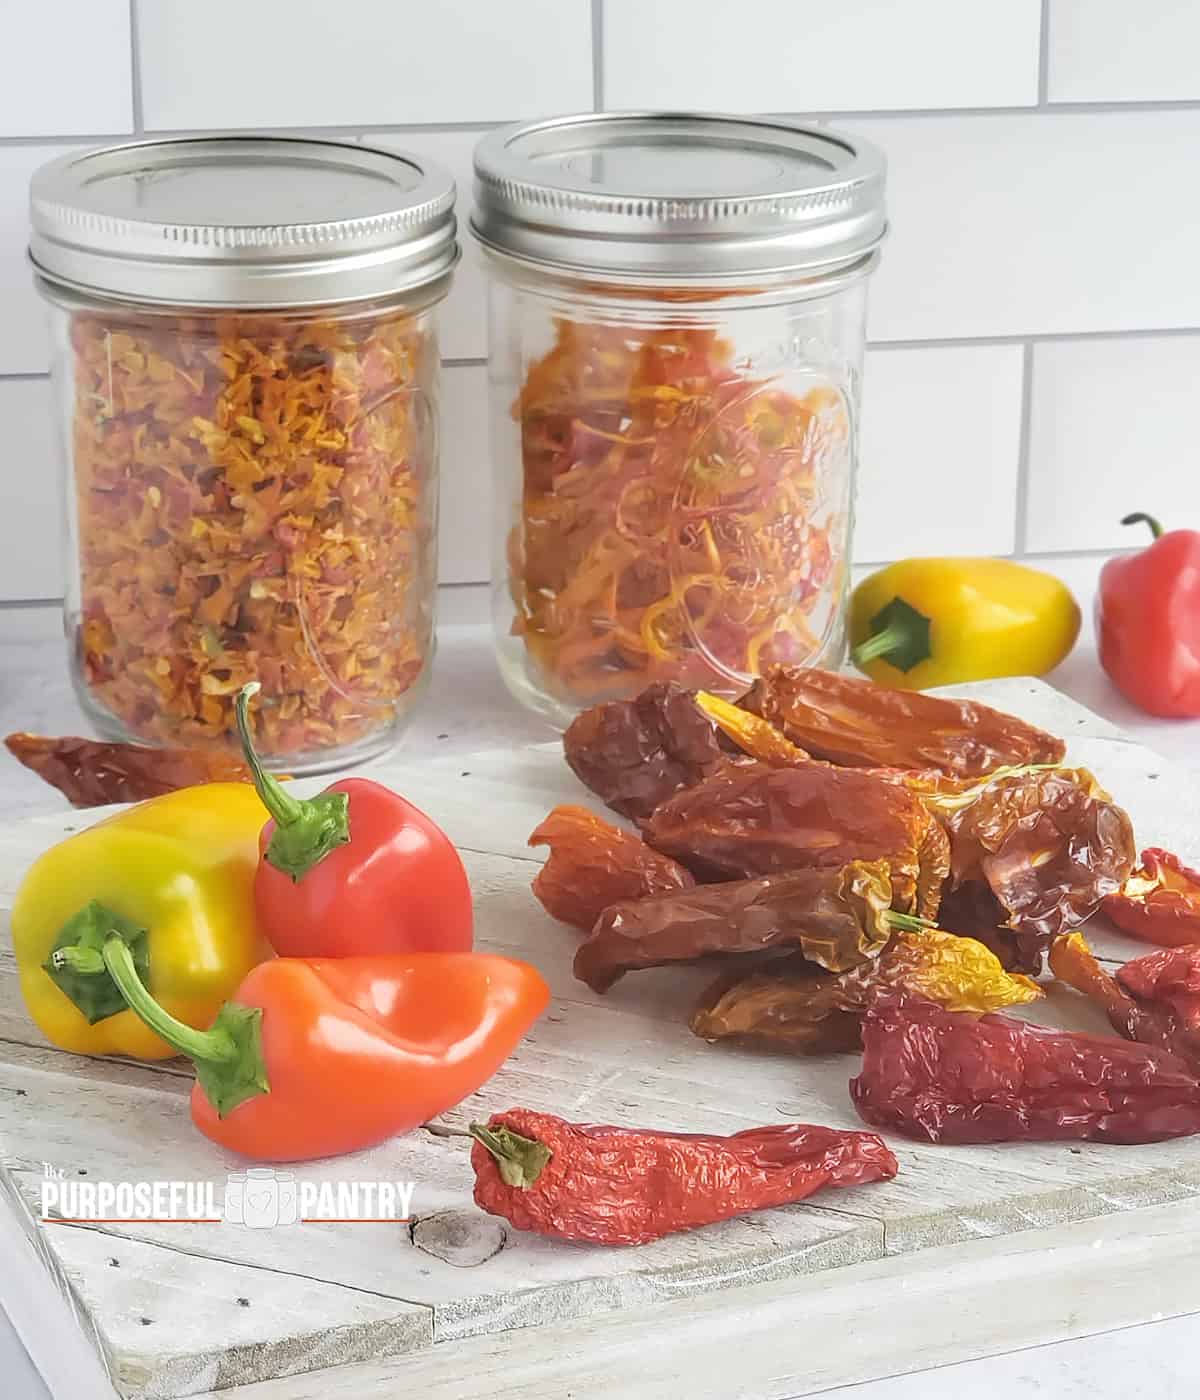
[{"x": 1035, "y": 323}]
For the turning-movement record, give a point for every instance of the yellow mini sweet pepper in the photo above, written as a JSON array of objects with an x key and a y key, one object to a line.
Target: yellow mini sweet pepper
[
  {"x": 929, "y": 622},
  {"x": 176, "y": 875}
]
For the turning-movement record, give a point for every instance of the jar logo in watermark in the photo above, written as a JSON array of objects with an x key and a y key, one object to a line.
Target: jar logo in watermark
[{"x": 259, "y": 1198}]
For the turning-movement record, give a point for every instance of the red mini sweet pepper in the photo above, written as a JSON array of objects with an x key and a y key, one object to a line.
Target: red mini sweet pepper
[
  {"x": 1148, "y": 621},
  {"x": 356, "y": 870}
]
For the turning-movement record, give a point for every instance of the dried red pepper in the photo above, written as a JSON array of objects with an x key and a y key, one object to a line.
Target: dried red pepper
[
  {"x": 837, "y": 918},
  {"x": 92, "y": 774},
  {"x": 1159, "y": 902},
  {"x": 750, "y": 819},
  {"x": 859, "y": 724},
  {"x": 635, "y": 754},
  {"x": 1154, "y": 1000},
  {"x": 604, "y": 1185},
  {"x": 801, "y": 1008},
  {"x": 593, "y": 864},
  {"x": 948, "y": 1077}
]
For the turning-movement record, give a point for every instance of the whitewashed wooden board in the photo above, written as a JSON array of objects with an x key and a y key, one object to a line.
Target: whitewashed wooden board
[{"x": 186, "y": 1309}]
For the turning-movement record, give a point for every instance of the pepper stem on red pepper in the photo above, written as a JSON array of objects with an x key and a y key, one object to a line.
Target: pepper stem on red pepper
[
  {"x": 900, "y": 635},
  {"x": 520, "y": 1159},
  {"x": 1141, "y": 518},
  {"x": 228, "y": 1056},
  {"x": 76, "y": 962},
  {"x": 306, "y": 829}
]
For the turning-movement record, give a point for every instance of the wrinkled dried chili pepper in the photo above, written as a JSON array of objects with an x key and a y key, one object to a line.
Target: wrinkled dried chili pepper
[
  {"x": 92, "y": 774},
  {"x": 750, "y": 819},
  {"x": 802, "y": 1008},
  {"x": 1048, "y": 843},
  {"x": 634, "y": 754},
  {"x": 858, "y": 724},
  {"x": 1159, "y": 902},
  {"x": 837, "y": 918},
  {"x": 593, "y": 864},
  {"x": 674, "y": 523},
  {"x": 254, "y": 502},
  {"x": 948, "y": 1077},
  {"x": 606, "y": 1185},
  {"x": 1154, "y": 1000}
]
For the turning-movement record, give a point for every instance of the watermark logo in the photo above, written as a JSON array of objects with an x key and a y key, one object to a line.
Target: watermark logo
[{"x": 259, "y": 1198}]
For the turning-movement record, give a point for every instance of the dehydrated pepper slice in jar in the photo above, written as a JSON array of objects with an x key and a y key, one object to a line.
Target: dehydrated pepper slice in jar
[
  {"x": 593, "y": 864},
  {"x": 1159, "y": 902},
  {"x": 799, "y": 1007},
  {"x": 252, "y": 504},
  {"x": 836, "y": 918},
  {"x": 674, "y": 524},
  {"x": 756, "y": 820},
  {"x": 859, "y": 724},
  {"x": 948, "y": 1077}
]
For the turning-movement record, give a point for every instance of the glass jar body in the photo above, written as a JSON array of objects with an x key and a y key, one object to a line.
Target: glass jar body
[
  {"x": 250, "y": 496},
  {"x": 674, "y": 477}
]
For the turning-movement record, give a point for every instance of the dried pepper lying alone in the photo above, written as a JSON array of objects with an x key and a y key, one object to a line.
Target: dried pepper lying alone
[
  {"x": 1045, "y": 844},
  {"x": 606, "y": 1185},
  {"x": 677, "y": 520},
  {"x": 751, "y": 819},
  {"x": 635, "y": 754},
  {"x": 947, "y": 1077},
  {"x": 1155, "y": 999},
  {"x": 862, "y": 725},
  {"x": 254, "y": 501},
  {"x": 593, "y": 864},
  {"x": 1159, "y": 902},
  {"x": 796, "y": 1006},
  {"x": 836, "y": 918},
  {"x": 91, "y": 774}
]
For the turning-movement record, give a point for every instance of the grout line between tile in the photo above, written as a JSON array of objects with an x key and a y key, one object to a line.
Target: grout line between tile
[
  {"x": 1043, "y": 98},
  {"x": 1021, "y": 518},
  {"x": 1026, "y": 109},
  {"x": 1030, "y": 338},
  {"x": 135, "y": 68},
  {"x": 24, "y": 377},
  {"x": 598, "y": 55}
]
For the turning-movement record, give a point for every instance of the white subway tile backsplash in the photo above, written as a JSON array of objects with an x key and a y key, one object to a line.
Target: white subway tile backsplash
[
  {"x": 784, "y": 55},
  {"x": 226, "y": 63},
  {"x": 1114, "y": 430},
  {"x": 1043, "y": 224},
  {"x": 24, "y": 339},
  {"x": 464, "y": 537},
  {"x": 31, "y": 552},
  {"x": 464, "y": 312},
  {"x": 940, "y": 444},
  {"x": 1102, "y": 51},
  {"x": 67, "y": 68}
]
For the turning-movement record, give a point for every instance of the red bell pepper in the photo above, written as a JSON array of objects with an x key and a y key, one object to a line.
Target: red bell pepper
[
  {"x": 1148, "y": 620},
  {"x": 315, "y": 1057},
  {"x": 355, "y": 870}
]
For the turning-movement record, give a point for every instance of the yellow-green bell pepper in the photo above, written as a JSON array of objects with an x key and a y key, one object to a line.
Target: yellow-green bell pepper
[
  {"x": 929, "y": 622},
  {"x": 176, "y": 875}
]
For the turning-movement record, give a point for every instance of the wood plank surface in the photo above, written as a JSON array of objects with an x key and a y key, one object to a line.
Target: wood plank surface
[{"x": 335, "y": 1293}]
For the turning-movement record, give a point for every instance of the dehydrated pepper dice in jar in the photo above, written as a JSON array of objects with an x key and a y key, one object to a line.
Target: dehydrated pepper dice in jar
[
  {"x": 245, "y": 363},
  {"x": 677, "y": 324}
]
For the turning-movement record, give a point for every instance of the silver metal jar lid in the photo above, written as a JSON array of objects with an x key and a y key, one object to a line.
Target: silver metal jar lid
[
  {"x": 242, "y": 221},
  {"x": 675, "y": 196}
]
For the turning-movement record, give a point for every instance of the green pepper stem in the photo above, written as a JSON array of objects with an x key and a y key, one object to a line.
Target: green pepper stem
[
  {"x": 283, "y": 807},
  {"x": 878, "y": 645},
  {"x": 88, "y": 962},
  {"x": 306, "y": 829},
  {"x": 909, "y": 922},
  {"x": 1141, "y": 518},
  {"x": 519, "y": 1159},
  {"x": 215, "y": 1045}
]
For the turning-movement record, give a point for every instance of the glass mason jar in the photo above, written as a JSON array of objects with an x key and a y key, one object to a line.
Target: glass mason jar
[
  {"x": 677, "y": 316},
  {"x": 245, "y": 376}
]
